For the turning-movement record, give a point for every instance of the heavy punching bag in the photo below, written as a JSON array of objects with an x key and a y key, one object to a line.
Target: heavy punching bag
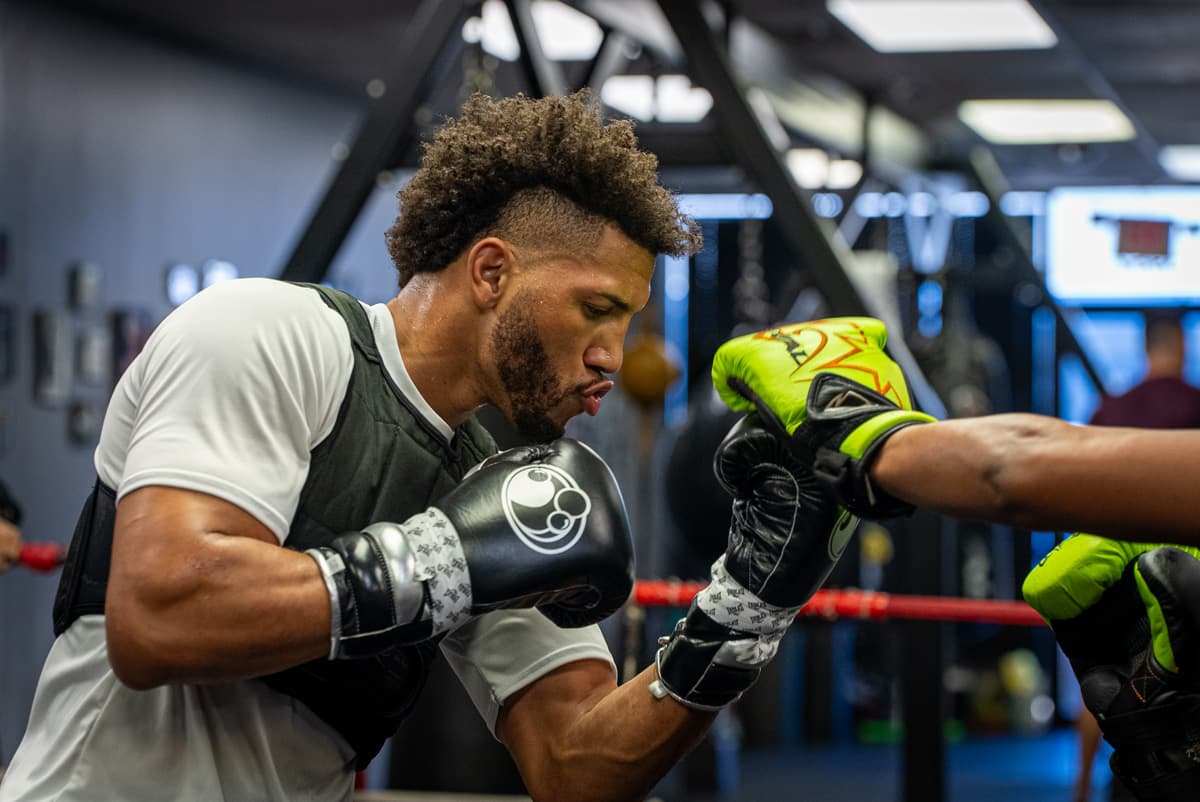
[{"x": 698, "y": 505}]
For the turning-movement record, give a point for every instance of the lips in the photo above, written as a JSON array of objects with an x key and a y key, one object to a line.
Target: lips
[{"x": 592, "y": 396}]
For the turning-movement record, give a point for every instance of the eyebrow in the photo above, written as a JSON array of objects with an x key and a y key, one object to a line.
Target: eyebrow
[{"x": 616, "y": 301}]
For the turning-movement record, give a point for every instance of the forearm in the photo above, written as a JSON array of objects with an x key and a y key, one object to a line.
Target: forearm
[
  {"x": 616, "y": 749},
  {"x": 241, "y": 608},
  {"x": 627, "y": 742},
  {"x": 1041, "y": 473}
]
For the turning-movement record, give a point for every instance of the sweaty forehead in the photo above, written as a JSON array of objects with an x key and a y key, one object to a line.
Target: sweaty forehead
[{"x": 624, "y": 258}]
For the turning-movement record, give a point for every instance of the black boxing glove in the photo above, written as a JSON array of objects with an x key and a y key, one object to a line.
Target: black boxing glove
[
  {"x": 538, "y": 526},
  {"x": 1127, "y": 616},
  {"x": 787, "y": 533}
]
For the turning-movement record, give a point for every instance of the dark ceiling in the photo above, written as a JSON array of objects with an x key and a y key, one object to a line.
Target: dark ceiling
[{"x": 1141, "y": 55}]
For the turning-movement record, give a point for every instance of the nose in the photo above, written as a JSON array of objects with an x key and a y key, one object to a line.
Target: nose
[{"x": 604, "y": 358}]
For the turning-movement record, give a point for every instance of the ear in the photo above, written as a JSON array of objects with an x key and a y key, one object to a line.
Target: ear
[{"x": 490, "y": 267}]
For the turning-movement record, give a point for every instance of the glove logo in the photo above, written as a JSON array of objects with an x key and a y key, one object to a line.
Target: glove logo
[
  {"x": 545, "y": 507},
  {"x": 843, "y": 530},
  {"x": 804, "y": 342}
]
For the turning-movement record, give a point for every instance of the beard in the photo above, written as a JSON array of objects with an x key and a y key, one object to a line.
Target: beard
[{"x": 525, "y": 373}]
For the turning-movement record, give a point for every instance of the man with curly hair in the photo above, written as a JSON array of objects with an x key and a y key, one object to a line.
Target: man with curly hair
[{"x": 295, "y": 507}]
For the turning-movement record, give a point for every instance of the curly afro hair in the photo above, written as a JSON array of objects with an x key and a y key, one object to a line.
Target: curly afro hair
[{"x": 549, "y": 169}]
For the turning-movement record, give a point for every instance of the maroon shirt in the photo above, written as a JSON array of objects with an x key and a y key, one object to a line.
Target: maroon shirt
[{"x": 1166, "y": 403}]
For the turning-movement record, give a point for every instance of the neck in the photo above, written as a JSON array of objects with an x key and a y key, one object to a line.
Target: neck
[{"x": 437, "y": 340}]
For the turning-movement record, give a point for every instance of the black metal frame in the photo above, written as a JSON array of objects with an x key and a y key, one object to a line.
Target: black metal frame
[
  {"x": 431, "y": 40},
  {"x": 749, "y": 144},
  {"x": 544, "y": 76},
  {"x": 982, "y": 168}
]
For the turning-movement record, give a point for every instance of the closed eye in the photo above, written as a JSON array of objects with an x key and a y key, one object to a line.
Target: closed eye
[{"x": 595, "y": 311}]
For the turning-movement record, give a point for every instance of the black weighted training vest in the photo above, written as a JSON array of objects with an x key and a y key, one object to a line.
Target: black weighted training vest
[{"x": 381, "y": 462}]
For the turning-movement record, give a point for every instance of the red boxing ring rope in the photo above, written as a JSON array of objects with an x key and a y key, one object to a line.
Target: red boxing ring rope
[
  {"x": 864, "y": 605},
  {"x": 42, "y": 557},
  {"x": 829, "y": 604}
]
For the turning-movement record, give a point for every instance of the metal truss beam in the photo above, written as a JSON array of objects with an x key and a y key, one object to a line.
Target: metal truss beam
[
  {"x": 609, "y": 60},
  {"x": 982, "y": 168},
  {"x": 543, "y": 75},
  {"x": 388, "y": 129},
  {"x": 747, "y": 140}
]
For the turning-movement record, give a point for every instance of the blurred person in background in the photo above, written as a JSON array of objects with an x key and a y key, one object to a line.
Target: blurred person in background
[{"x": 1162, "y": 399}]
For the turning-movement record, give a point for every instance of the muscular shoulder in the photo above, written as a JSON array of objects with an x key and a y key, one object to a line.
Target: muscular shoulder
[
  {"x": 253, "y": 325},
  {"x": 229, "y": 397},
  {"x": 255, "y": 308}
]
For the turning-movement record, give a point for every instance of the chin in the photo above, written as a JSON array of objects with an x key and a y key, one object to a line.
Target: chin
[{"x": 539, "y": 430}]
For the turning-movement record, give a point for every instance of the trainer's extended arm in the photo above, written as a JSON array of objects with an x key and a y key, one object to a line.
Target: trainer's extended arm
[{"x": 1038, "y": 472}]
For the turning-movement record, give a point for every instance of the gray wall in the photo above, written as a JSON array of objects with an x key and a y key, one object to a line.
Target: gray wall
[{"x": 134, "y": 154}]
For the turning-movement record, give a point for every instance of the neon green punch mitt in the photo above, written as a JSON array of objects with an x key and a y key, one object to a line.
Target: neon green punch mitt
[{"x": 829, "y": 389}]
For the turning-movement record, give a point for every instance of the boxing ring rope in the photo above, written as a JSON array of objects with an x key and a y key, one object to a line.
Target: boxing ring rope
[
  {"x": 864, "y": 605},
  {"x": 42, "y": 557},
  {"x": 828, "y": 604}
]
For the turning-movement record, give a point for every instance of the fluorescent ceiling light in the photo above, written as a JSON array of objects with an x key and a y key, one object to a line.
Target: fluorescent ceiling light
[
  {"x": 1182, "y": 162},
  {"x": 1040, "y": 122},
  {"x": 564, "y": 33},
  {"x": 911, "y": 26},
  {"x": 843, "y": 174},
  {"x": 720, "y": 206},
  {"x": 631, "y": 94},
  {"x": 1019, "y": 203},
  {"x": 678, "y": 101},
  {"x": 668, "y": 98},
  {"x": 809, "y": 166},
  {"x": 813, "y": 169},
  {"x": 494, "y": 31}
]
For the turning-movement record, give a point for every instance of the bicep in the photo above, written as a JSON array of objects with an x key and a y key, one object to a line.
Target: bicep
[
  {"x": 199, "y": 590},
  {"x": 161, "y": 532}
]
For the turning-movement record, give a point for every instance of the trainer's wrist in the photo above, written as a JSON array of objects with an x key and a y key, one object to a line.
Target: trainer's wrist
[{"x": 890, "y": 465}]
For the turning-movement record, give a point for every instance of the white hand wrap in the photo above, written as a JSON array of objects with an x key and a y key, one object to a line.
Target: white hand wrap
[
  {"x": 729, "y": 604},
  {"x": 441, "y": 565}
]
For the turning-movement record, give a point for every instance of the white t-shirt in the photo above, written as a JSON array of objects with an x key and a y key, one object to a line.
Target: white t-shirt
[{"x": 229, "y": 397}]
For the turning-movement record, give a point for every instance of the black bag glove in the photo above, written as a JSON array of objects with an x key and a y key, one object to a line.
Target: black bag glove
[{"x": 786, "y": 535}]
